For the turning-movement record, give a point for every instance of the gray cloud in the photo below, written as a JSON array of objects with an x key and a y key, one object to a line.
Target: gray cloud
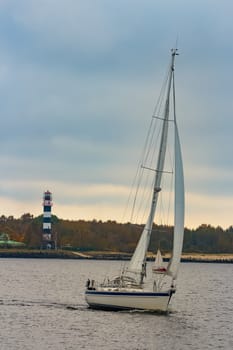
[{"x": 79, "y": 80}]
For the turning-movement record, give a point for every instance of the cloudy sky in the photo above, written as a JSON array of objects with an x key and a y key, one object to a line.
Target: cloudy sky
[{"x": 78, "y": 85}]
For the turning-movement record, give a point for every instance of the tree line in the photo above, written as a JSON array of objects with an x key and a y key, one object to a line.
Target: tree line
[{"x": 112, "y": 236}]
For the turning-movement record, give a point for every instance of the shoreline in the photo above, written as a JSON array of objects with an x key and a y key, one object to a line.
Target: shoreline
[{"x": 101, "y": 255}]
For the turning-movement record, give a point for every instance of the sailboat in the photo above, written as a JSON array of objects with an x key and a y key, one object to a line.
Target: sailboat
[
  {"x": 131, "y": 288},
  {"x": 159, "y": 266}
]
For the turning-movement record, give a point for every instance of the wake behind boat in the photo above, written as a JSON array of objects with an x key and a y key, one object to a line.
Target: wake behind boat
[{"x": 130, "y": 290}]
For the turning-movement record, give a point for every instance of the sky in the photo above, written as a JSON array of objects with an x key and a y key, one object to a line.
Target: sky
[{"x": 78, "y": 85}]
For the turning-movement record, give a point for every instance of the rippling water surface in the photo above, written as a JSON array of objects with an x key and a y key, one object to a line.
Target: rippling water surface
[{"x": 42, "y": 307}]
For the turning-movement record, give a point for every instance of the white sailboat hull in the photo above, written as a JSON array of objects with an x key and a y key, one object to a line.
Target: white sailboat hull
[{"x": 123, "y": 300}]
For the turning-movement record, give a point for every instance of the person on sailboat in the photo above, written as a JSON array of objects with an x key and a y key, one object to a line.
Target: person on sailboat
[
  {"x": 173, "y": 288},
  {"x": 143, "y": 272},
  {"x": 88, "y": 284},
  {"x": 92, "y": 284}
]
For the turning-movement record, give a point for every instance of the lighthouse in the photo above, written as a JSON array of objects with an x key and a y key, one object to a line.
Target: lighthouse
[{"x": 47, "y": 236}]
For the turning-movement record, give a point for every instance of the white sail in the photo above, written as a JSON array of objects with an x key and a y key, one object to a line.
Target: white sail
[
  {"x": 159, "y": 266},
  {"x": 179, "y": 210},
  {"x": 138, "y": 261},
  {"x": 158, "y": 259}
]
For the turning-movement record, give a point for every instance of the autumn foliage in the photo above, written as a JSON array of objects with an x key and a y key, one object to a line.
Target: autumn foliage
[{"x": 112, "y": 236}]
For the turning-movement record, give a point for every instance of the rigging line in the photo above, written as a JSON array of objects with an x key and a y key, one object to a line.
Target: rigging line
[
  {"x": 139, "y": 179},
  {"x": 157, "y": 108},
  {"x": 144, "y": 157},
  {"x": 153, "y": 142},
  {"x": 154, "y": 146},
  {"x": 150, "y": 134},
  {"x": 151, "y": 129},
  {"x": 143, "y": 184},
  {"x": 149, "y": 140},
  {"x": 162, "y": 91},
  {"x": 147, "y": 144},
  {"x": 136, "y": 181},
  {"x": 144, "y": 198},
  {"x": 131, "y": 192}
]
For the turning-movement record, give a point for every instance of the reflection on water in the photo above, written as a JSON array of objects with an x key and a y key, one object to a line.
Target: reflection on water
[{"x": 42, "y": 307}]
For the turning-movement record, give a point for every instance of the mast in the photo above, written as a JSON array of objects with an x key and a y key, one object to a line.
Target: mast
[
  {"x": 162, "y": 148},
  {"x": 138, "y": 260}
]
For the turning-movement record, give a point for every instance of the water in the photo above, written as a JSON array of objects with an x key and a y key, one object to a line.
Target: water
[{"x": 42, "y": 307}]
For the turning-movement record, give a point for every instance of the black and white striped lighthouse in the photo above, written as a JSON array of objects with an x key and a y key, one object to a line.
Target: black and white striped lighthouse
[{"x": 47, "y": 237}]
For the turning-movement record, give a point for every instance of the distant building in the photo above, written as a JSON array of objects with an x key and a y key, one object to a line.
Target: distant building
[{"x": 6, "y": 242}]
